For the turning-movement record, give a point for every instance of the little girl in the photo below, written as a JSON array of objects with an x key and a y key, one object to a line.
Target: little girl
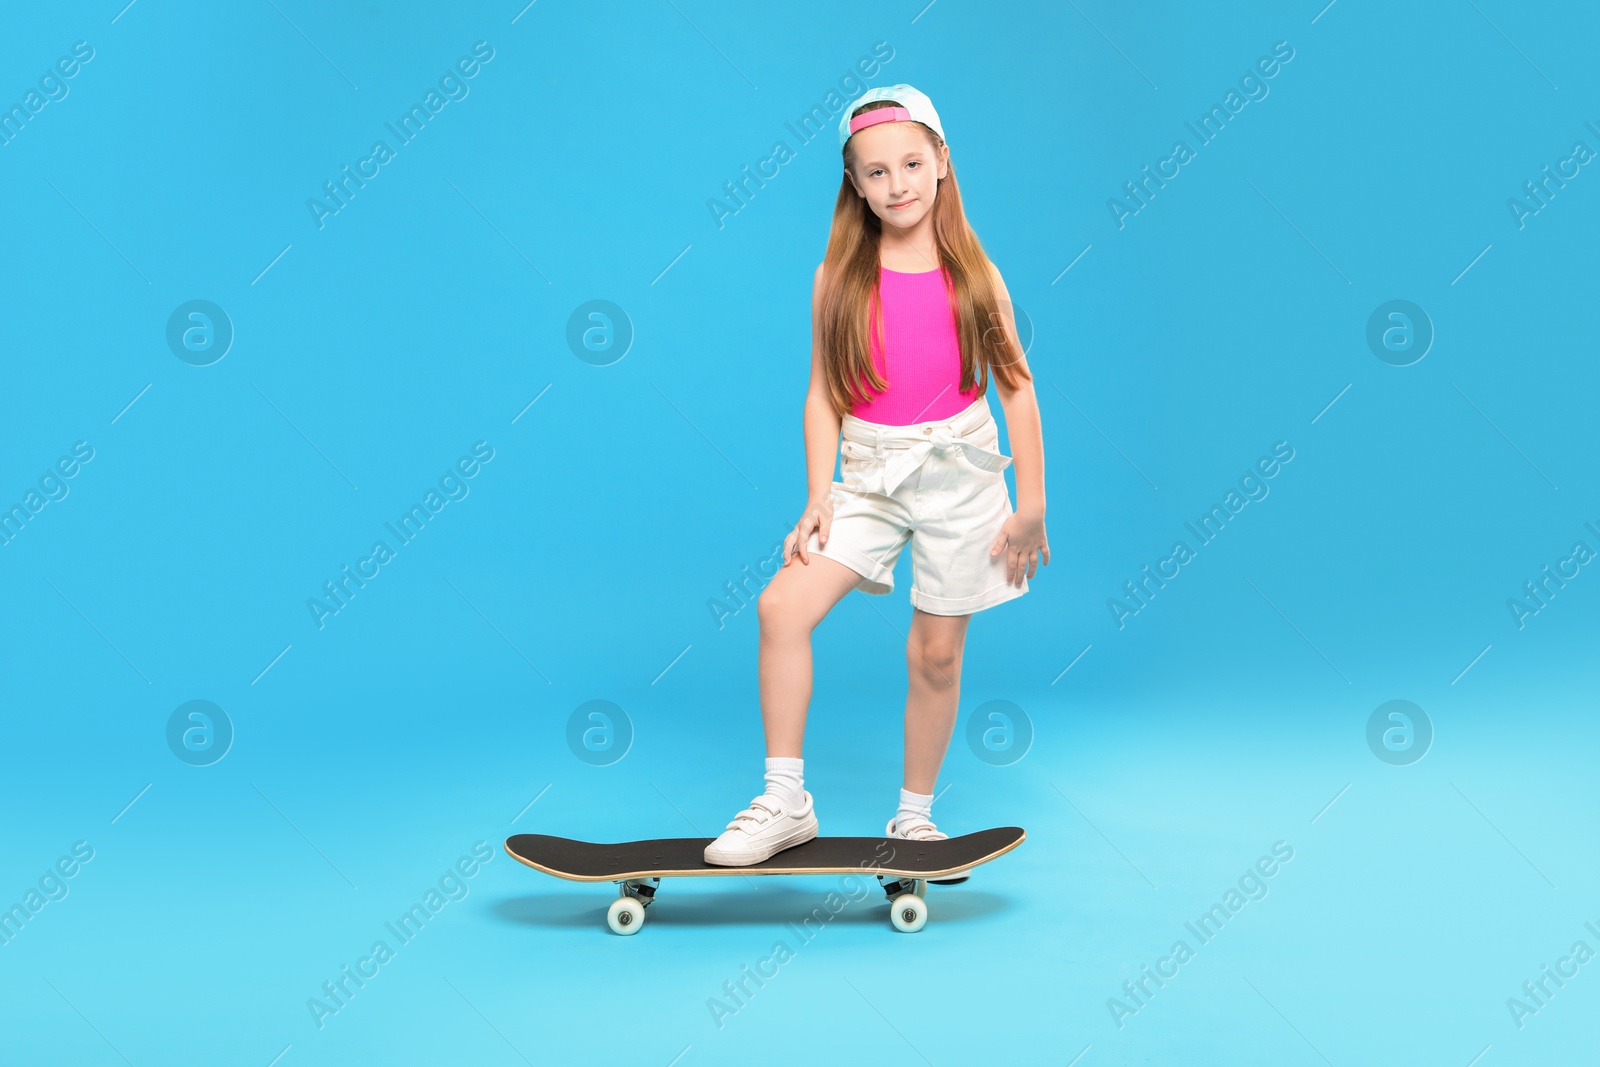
[{"x": 908, "y": 319}]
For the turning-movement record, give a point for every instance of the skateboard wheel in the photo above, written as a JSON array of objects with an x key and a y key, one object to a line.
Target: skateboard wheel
[
  {"x": 625, "y": 916},
  {"x": 908, "y": 912}
]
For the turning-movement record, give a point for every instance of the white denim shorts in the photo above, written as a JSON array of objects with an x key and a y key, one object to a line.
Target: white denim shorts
[{"x": 939, "y": 485}]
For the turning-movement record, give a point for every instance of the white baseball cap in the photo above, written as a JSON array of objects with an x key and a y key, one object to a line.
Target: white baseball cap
[{"x": 913, "y": 107}]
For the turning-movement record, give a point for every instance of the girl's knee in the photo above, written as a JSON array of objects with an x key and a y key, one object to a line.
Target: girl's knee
[
  {"x": 800, "y": 594},
  {"x": 776, "y": 607},
  {"x": 770, "y": 603},
  {"x": 938, "y": 659}
]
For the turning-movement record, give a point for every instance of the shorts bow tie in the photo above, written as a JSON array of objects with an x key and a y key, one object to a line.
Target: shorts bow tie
[{"x": 901, "y": 462}]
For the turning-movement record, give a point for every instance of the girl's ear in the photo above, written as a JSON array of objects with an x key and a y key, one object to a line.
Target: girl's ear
[
  {"x": 853, "y": 184},
  {"x": 944, "y": 161}
]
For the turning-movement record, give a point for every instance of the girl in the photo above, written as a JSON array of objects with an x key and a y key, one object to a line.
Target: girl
[{"x": 909, "y": 317}]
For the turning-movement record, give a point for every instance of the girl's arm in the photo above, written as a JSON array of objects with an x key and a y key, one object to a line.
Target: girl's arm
[
  {"x": 821, "y": 425},
  {"x": 821, "y": 422},
  {"x": 1021, "y": 406}
]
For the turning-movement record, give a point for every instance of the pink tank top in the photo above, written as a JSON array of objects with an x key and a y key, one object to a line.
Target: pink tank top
[{"x": 923, "y": 367}]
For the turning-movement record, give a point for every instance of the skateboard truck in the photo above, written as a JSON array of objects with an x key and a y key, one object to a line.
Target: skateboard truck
[
  {"x": 895, "y": 886},
  {"x": 644, "y": 891}
]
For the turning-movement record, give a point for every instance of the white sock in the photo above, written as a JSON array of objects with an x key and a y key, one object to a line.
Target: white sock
[
  {"x": 785, "y": 779},
  {"x": 914, "y": 806}
]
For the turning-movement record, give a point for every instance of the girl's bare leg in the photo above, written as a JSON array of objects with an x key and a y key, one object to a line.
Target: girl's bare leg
[
  {"x": 789, "y": 608},
  {"x": 933, "y": 672}
]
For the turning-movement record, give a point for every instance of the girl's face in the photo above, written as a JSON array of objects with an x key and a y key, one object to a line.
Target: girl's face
[{"x": 897, "y": 172}]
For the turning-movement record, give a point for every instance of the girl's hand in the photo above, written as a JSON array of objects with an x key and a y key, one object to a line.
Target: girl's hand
[
  {"x": 1022, "y": 538},
  {"x": 818, "y": 516}
]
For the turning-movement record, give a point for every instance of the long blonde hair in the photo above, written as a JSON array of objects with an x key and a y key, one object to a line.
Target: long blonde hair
[{"x": 850, "y": 289}]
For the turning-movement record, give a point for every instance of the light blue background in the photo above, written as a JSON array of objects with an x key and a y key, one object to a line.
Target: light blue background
[{"x": 430, "y": 713}]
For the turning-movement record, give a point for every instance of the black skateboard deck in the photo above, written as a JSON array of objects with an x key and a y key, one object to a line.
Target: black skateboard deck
[{"x": 903, "y": 867}]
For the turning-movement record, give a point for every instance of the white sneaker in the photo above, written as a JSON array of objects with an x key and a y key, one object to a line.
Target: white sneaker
[
  {"x": 766, "y": 827},
  {"x": 923, "y": 830},
  {"x": 915, "y": 830}
]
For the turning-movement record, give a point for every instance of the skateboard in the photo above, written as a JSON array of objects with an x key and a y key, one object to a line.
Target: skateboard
[{"x": 903, "y": 868}]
